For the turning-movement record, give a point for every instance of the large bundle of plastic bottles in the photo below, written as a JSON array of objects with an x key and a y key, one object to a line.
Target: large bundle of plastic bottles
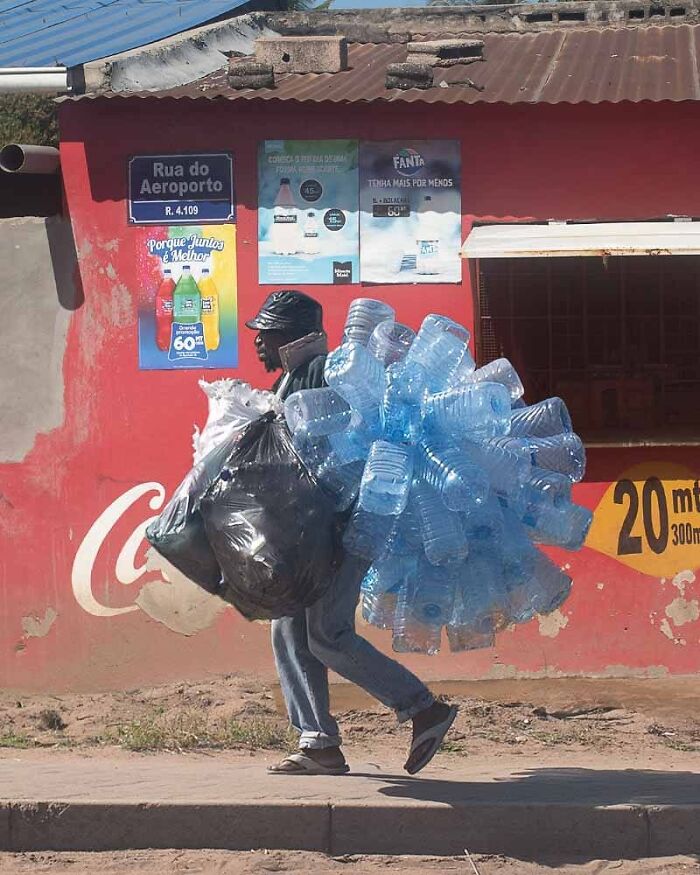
[{"x": 452, "y": 479}]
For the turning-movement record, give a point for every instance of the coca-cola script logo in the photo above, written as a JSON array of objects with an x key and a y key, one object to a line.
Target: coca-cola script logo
[{"x": 126, "y": 569}]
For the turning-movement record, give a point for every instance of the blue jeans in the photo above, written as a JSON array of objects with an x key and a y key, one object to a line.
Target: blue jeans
[{"x": 322, "y": 637}]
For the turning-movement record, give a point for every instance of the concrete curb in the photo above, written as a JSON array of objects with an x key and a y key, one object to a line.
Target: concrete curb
[{"x": 522, "y": 830}]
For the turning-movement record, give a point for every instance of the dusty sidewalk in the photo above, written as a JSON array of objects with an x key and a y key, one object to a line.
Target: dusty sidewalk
[
  {"x": 608, "y": 771},
  {"x": 520, "y": 806},
  {"x": 304, "y": 863}
]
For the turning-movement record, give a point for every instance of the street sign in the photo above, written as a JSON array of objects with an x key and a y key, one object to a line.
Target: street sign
[{"x": 186, "y": 189}]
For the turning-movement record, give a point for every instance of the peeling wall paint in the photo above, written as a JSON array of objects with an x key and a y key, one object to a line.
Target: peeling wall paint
[
  {"x": 39, "y": 271},
  {"x": 683, "y": 611},
  {"x": 39, "y": 627},
  {"x": 175, "y": 601},
  {"x": 552, "y": 624}
]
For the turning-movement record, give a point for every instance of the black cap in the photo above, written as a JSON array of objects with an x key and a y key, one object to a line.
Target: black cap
[{"x": 289, "y": 310}]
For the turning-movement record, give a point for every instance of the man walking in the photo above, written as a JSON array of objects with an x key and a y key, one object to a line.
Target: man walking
[{"x": 290, "y": 337}]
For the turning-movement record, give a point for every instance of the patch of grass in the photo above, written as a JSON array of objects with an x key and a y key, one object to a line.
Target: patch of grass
[
  {"x": 680, "y": 744},
  {"x": 192, "y": 730},
  {"x": 16, "y": 740},
  {"x": 256, "y": 733}
]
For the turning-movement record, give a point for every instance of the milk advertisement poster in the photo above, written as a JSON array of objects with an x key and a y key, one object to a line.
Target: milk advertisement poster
[
  {"x": 188, "y": 315},
  {"x": 410, "y": 211},
  {"x": 308, "y": 212}
]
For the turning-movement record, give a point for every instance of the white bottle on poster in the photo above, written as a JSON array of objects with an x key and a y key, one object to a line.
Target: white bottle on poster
[
  {"x": 427, "y": 238},
  {"x": 285, "y": 233},
  {"x": 311, "y": 242}
]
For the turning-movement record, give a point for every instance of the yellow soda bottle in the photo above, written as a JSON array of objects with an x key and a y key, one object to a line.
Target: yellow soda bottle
[{"x": 210, "y": 310}]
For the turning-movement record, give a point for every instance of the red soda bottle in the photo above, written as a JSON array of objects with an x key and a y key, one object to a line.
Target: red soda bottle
[{"x": 164, "y": 310}]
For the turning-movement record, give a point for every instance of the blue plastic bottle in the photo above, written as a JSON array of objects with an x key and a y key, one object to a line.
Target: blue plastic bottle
[
  {"x": 505, "y": 469},
  {"x": 410, "y": 635},
  {"x": 450, "y": 472},
  {"x": 543, "y": 419},
  {"x": 476, "y": 410},
  {"x": 360, "y": 379},
  {"x": 387, "y": 478},
  {"x": 378, "y": 605},
  {"x": 364, "y": 314},
  {"x": 564, "y": 453},
  {"x": 367, "y": 533},
  {"x": 444, "y": 540},
  {"x": 317, "y": 412},
  {"x": 541, "y": 591},
  {"x": 441, "y": 347},
  {"x": 402, "y": 417},
  {"x": 500, "y": 371},
  {"x": 481, "y": 595},
  {"x": 390, "y": 342},
  {"x": 351, "y": 445}
]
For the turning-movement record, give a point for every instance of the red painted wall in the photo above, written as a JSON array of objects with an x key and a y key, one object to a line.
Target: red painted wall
[{"x": 125, "y": 427}]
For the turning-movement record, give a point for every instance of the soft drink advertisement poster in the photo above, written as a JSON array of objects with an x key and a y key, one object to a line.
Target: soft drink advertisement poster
[
  {"x": 188, "y": 306},
  {"x": 308, "y": 212},
  {"x": 410, "y": 211}
]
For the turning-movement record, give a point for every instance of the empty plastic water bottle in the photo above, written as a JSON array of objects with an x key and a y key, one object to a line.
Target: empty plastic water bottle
[
  {"x": 410, "y": 634},
  {"x": 564, "y": 453},
  {"x": 364, "y": 314},
  {"x": 499, "y": 371},
  {"x": 543, "y": 419},
  {"x": 484, "y": 526},
  {"x": 313, "y": 451},
  {"x": 402, "y": 416},
  {"x": 506, "y": 469},
  {"x": 431, "y": 596},
  {"x": 444, "y": 540},
  {"x": 390, "y": 342},
  {"x": 350, "y": 445},
  {"x": 476, "y": 410},
  {"x": 367, "y": 533},
  {"x": 460, "y": 483},
  {"x": 441, "y": 347},
  {"x": 317, "y": 412},
  {"x": 360, "y": 379},
  {"x": 464, "y": 637},
  {"x": 378, "y": 608},
  {"x": 540, "y": 592},
  {"x": 409, "y": 527},
  {"x": 564, "y": 526},
  {"x": 387, "y": 478},
  {"x": 392, "y": 572},
  {"x": 481, "y": 589}
]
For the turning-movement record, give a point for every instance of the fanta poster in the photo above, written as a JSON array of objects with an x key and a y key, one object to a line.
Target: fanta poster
[
  {"x": 307, "y": 212},
  {"x": 187, "y": 309},
  {"x": 410, "y": 211}
]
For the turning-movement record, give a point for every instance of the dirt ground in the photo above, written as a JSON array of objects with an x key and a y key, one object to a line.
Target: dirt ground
[
  {"x": 231, "y": 712},
  {"x": 302, "y": 863}
]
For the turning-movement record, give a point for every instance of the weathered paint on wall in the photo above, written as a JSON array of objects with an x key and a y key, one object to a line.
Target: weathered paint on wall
[{"x": 73, "y": 511}]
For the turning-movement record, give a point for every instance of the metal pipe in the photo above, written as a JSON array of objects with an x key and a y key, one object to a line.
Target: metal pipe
[
  {"x": 20, "y": 158},
  {"x": 44, "y": 80}
]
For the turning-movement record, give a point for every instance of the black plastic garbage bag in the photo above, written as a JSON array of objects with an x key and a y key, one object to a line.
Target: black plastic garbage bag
[
  {"x": 271, "y": 527},
  {"x": 178, "y": 532}
]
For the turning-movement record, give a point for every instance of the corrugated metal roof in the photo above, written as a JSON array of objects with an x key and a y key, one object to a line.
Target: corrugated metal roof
[
  {"x": 38, "y": 33},
  {"x": 557, "y": 66}
]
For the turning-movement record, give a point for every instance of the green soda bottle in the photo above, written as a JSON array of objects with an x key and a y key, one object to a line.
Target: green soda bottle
[{"x": 187, "y": 299}]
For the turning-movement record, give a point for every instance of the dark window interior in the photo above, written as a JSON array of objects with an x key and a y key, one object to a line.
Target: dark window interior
[{"x": 618, "y": 339}]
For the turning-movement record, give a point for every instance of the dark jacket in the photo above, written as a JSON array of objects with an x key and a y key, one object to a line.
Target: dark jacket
[{"x": 303, "y": 362}]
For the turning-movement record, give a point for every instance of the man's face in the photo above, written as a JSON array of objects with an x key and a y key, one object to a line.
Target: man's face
[{"x": 267, "y": 346}]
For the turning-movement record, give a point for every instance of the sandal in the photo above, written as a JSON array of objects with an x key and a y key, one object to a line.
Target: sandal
[
  {"x": 435, "y": 735},
  {"x": 305, "y": 765}
]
